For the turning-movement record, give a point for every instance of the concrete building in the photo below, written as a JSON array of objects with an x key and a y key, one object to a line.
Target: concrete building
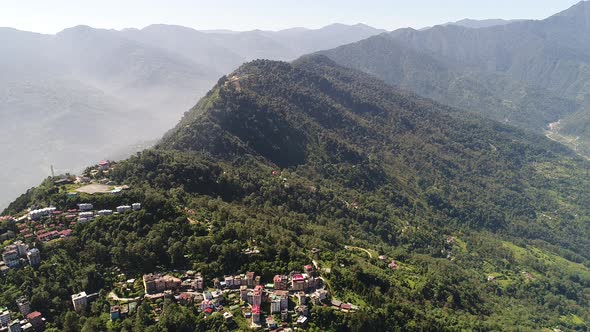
[
  {"x": 115, "y": 313},
  {"x": 198, "y": 283},
  {"x": 80, "y": 301},
  {"x": 297, "y": 282},
  {"x": 34, "y": 257},
  {"x": 275, "y": 304},
  {"x": 136, "y": 206},
  {"x": 14, "y": 326},
  {"x": 156, "y": 283},
  {"x": 37, "y": 214},
  {"x": 250, "y": 279},
  {"x": 123, "y": 208},
  {"x": 11, "y": 258},
  {"x": 85, "y": 206},
  {"x": 5, "y": 317},
  {"x": 36, "y": 320},
  {"x": 21, "y": 248},
  {"x": 23, "y": 306},
  {"x": 256, "y": 314},
  {"x": 104, "y": 212}
]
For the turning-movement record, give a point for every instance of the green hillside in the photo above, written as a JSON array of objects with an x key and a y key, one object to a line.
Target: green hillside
[{"x": 487, "y": 224}]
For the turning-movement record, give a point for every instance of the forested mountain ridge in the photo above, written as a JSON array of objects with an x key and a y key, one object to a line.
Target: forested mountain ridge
[
  {"x": 487, "y": 224},
  {"x": 157, "y": 72},
  {"x": 526, "y": 73}
]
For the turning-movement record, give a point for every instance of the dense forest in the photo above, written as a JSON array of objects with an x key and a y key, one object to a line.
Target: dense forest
[{"x": 488, "y": 224}]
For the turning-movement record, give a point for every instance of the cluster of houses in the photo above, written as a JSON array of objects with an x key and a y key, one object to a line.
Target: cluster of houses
[
  {"x": 245, "y": 291},
  {"x": 17, "y": 253},
  {"x": 33, "y": 320}
]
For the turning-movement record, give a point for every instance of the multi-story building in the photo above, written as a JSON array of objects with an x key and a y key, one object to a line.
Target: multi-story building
[
  {"x": 21, "y": 248},
  {"x": 34, "y": 257},
  {"x": 136, "y": 206},
  {"x": 23, "y": 306},
  {"x": 37, "y": 214},
  {"x": 11, "y": 258},
  {"x": 257, "y": 297},
  {"x": 155, "y": 283},
  {"x": 5, "y": 317},
  {"x": 275, "y": 304},
  {"x": 79, "y": 301},
  {"x": 198, "y": 283},
  {"x": 14, "y": 326},
  {"x": 123, "y": 208},
  {"x": 297, "y": 282},
  {"x": 250, "y": 279},
  {"x": 36, "y": 319},
  {"x": 280, "y": 282},
  {"x": 256, "y": 314}
]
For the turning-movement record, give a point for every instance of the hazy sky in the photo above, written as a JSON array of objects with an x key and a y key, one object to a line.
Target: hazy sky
[{"x": 50, "y": 16}]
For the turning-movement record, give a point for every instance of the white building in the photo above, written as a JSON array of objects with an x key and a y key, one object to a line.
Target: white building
[
  {"x": 123, "y": 208},
  {"x": 21, "y": 248},
  {"x": 104, "y": 212},
  {"x": 136, "y": 206},
  {"x": 37, "y": 214},
  {"x": 84, "y": 206},
  {"x": 34, "y": 257},
  {"x": 79, "y": 301}
]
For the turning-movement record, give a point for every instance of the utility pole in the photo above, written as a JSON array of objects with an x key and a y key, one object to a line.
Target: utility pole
[{"x": 52, "y": 172}]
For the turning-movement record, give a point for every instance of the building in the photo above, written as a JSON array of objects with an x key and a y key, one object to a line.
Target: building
[
  {"x": 250, "y": 279},
  {"x": 104, "y": 212},
  {"x": 11, "y": 258},
  {"x": 123, "y": 208},
  {"x": 297, "y": 282},
  {"x": 37, "y": 214},
  {"x": 34, "y": 257},
  {"x": 85, "y": 206},
  {"x": 23, "y": 306},
  {"x": 80, "y": 301},
  {"x": 14, "y": 326},
  {"x": 5, "y": 317},
  {"x": 136, "y": 206},
  {"x": 198, "y": 283},
  {"x": 104, "y": 165},
  {"x": 21, "y": 248},
  {"x": 206, "y": 304},
  {"x": 155, "y": 283},
  {"x": 301, "y": 298},
  {"x": 36, "y": 319},
  {"x": 115, "y": 313},
  {"x": 280, "y": 282},
  {"x": 275, "y": 304},
  {"x": 257, "y": 297},
  {"x": 255, "y": 314}
]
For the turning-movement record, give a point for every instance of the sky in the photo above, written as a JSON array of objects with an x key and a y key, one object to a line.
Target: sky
[{"x": 51, "y": 16}]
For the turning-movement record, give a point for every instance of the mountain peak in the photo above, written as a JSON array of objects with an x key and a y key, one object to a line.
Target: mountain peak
[{"x": 579, "y": 10}]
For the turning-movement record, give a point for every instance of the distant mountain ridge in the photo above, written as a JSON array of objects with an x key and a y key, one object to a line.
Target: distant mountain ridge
[
  {"x": 527, "y": 73},
  {"x": 145, "y": 78}
]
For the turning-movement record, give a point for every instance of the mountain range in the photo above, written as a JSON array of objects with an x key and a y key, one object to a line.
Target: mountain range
[
  {"x": 526, "y": 73},
  {"x": 310, "y": 161},
  {"x": 87, "y": 94}
]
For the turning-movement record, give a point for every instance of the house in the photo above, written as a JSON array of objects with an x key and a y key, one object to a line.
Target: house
[
  {"x": 123, "y": 208},
  {"x": 270, "y": 322},
  {"x": 36, "y": 319},
  {"x": 104, "y": 165},
  {"x": 393, "y": 265},
  {"x": 308, "y": 269},
  {"x": 85, "y": 206},
  {"x": 34, "y": 257},
  {"x": 206, "y": 304},
  {"x": 186, "y": 298},
  {"x": 136, "y": 206},
  {"x": 37, "y": 214},
  {"x": 104, "y": 212},
  {"x": 229, "y": 281},
  {"x": 228, "y": 316},
  {"x": 79, "y": 301},
  {"x": 321, "y": 294},
  {"x": 301, "y": 320},
  {"x": 115, "y": 313}
]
